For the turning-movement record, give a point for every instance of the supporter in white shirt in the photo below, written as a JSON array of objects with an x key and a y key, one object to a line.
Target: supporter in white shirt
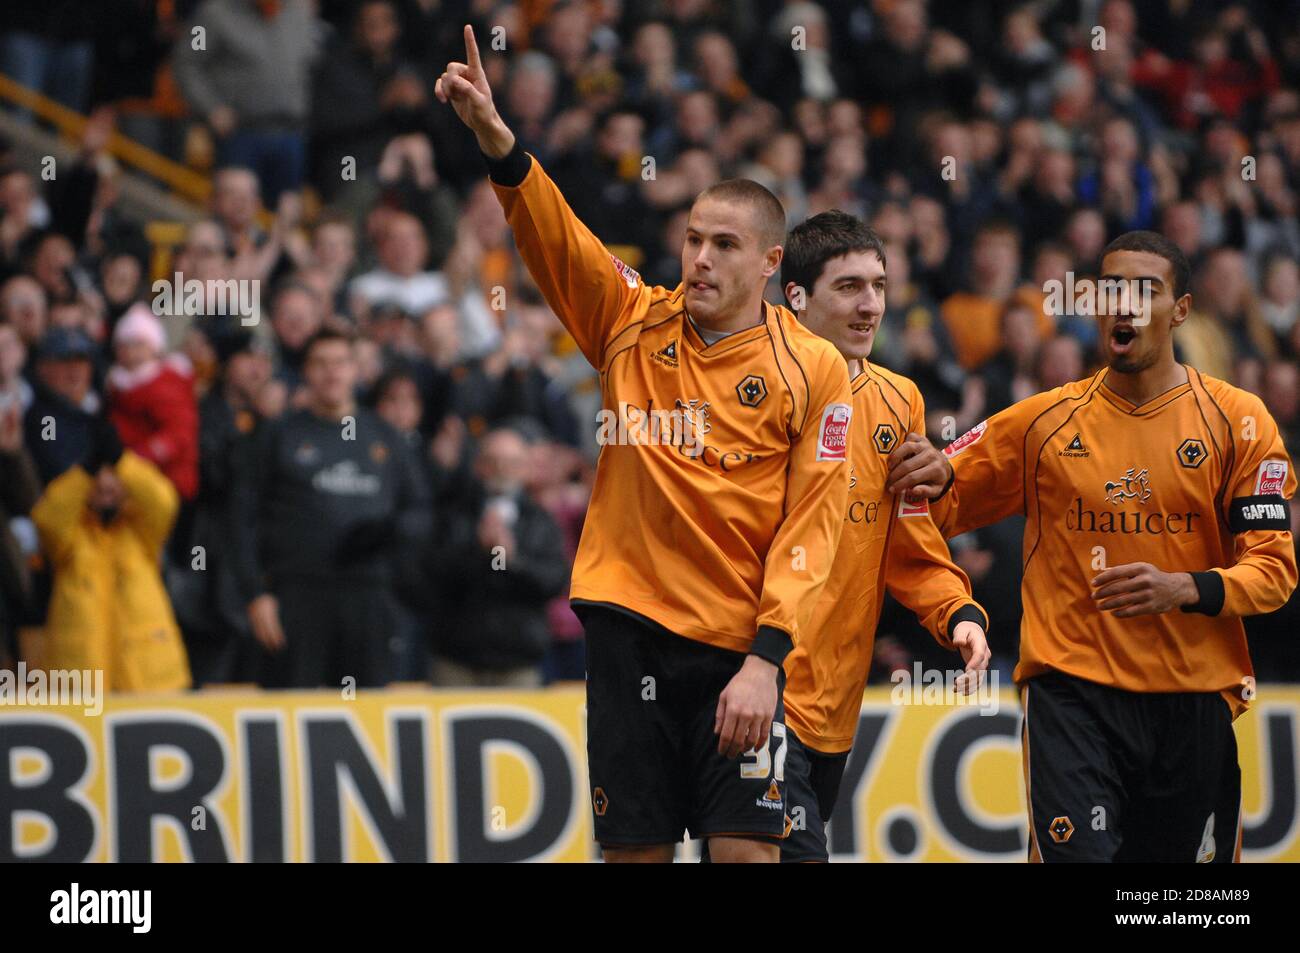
[{"x": 400, "y": 281}]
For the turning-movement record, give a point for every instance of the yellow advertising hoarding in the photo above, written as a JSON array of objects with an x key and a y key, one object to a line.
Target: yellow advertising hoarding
[{"x": 499, "y": 776}]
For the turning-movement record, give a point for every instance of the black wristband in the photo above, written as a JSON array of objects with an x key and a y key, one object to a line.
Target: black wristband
[
  {"x": 970, "y": 612},
  {"x": 511, "y": 169},
  {"x": 771, "y": 645},
  {"x": 952, "y": 478},
  {"x": 1209, "y": 591}
]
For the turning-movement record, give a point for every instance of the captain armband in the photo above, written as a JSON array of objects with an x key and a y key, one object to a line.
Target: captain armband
[{"x": 1249, "y": 513}]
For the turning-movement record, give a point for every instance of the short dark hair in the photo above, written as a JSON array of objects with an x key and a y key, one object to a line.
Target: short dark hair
[
  {"x": 290, "y": 285},
  {"x": 827, "y": 235},
  {"x": 324, "y": 336},
  {"x": 998, "y": 226},
  {"x": 771, "y": 214},
  {"x": 1155, "y": 244},
  {"x": 390, "y": 378},
  {"x": 609, "y": 115}
]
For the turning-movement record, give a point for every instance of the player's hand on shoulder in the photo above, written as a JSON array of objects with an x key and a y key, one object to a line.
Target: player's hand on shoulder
[
  {"x": 917, "y": 468},
  {"x": 970, "y": 640},
  {"x": 746, "y": 708},
  {"x": 1141, "y": 589}
]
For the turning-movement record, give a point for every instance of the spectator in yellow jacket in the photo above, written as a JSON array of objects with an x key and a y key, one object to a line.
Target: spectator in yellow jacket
[{"x": 102, "y": 526}]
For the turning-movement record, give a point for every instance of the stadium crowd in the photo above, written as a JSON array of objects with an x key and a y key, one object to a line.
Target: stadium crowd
[{"x": 996, "y": 146}]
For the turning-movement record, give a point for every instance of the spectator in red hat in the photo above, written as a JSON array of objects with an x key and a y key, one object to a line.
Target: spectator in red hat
[{"x": 151, "y": 399}]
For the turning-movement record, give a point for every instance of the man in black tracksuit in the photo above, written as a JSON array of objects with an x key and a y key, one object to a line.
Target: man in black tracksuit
[{"x": 329, "y": 498}]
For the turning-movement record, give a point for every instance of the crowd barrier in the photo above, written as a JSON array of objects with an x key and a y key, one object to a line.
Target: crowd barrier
[{"x": 416, "y": 775}]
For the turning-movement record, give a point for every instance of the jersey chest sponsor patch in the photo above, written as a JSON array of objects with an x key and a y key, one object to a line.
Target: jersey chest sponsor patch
[{"x": 833, "y": 438}]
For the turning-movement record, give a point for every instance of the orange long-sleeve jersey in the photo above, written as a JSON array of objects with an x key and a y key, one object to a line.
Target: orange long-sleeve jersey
[
  {"x": 888, "y": 545},
  {"x": 1196, "y": 480},
  {"x": 723, "y": 471}
]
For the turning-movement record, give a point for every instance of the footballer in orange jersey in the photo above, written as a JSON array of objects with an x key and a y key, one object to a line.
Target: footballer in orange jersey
[
  {"x": 1157, "y": 507},
  {"x": 718, "y": 502},
  {"x": 833, "y": 274}
]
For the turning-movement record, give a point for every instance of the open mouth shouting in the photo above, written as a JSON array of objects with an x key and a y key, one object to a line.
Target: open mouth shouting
[{"x": 1122, "y": 338}]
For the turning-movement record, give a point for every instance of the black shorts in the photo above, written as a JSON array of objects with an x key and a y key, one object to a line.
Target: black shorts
[
  {"x": 812, "y": 782},
  {"x": 652, "y": 754},
  {"x": 1118, "y": 776}
]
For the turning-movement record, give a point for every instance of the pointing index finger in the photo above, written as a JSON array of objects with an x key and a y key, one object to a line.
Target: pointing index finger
[{"x": 471, "y": 49}]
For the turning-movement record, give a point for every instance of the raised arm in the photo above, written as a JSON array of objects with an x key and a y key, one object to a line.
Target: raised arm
[
  {"x": 58, "y": 513},
  {"x": 152, "y": 500},
  {"x": 465, "y": 87},
  {"x": 594, "y": 294}
]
